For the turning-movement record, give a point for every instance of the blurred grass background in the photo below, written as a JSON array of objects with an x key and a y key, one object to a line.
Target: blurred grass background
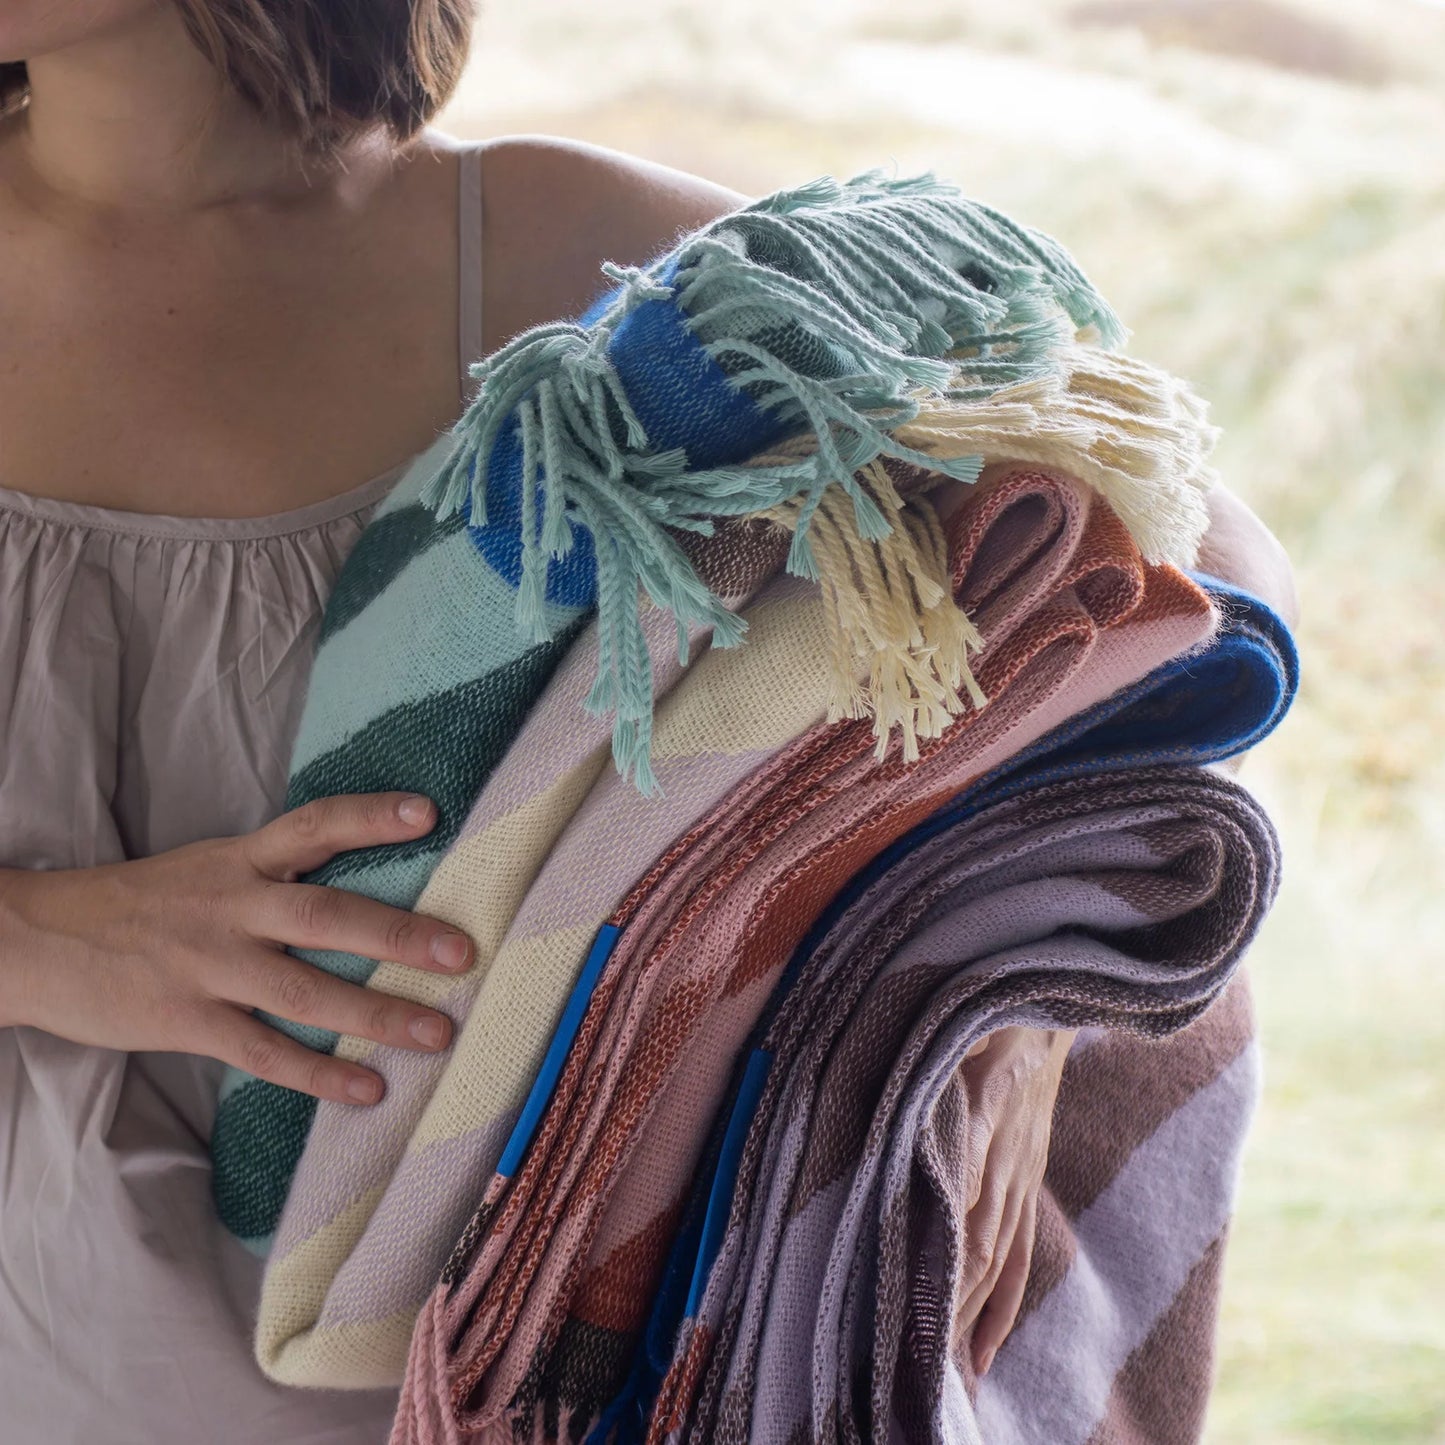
[{"x": 1259, "y": 187}]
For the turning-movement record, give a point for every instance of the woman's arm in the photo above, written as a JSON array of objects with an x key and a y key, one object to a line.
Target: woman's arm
[
  {"x": 1239, "y": 548},
  {"x": 561, "y": 207}
]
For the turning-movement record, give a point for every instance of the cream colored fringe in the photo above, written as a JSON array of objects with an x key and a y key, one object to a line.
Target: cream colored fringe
[
  {"x": 890, "y": 606},
  {"x": 1136, "y": 434}
]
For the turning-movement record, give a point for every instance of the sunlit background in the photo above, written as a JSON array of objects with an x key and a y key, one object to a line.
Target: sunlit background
[{"x": 1260, "y": 190}]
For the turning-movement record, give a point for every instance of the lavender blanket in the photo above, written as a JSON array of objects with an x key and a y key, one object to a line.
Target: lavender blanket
[{"x": 1119, "y": 904}]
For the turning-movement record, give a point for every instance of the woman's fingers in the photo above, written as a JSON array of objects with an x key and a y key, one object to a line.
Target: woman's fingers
[
  {"x": 981, "y": 1231},
  {"x": 244, "y": 1041},
  {"x": 307, "y": 915},
  {"x": 1002, "y": 1308},
  {"x": 1001, "y": 1224},
  {"x": 980, "y": 1143},
  {"x": 304, "y": 838},
  {"x": 1012, "y": 1084},
  {"x": 290, "y": 989}
]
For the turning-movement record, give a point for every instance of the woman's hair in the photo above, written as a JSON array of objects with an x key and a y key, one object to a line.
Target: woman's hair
[{"x": 327, "y": 69}]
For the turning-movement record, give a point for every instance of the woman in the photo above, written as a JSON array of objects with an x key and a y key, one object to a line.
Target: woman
[{"x": 239, "y": 272}]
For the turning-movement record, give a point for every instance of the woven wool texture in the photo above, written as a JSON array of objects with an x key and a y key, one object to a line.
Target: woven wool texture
[
  {"x": 754, "y": 633},
  {"x": 1199, "y": 709},
  {"x": 570, "y": 1251},
  {"x": 603, "y": 475},
  {"x": 1119, "y": 904},
  {"x": 382, "y": 1196}
]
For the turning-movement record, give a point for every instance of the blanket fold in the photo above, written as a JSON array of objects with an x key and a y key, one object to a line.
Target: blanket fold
[
  {"x": 800, "y": 649},
  {"x": 1059, "y": 593},
  {"x": 1211, "y": 705},
  {"x": 1118, "y": 902},
  {"x": 1068, "y": 612}
]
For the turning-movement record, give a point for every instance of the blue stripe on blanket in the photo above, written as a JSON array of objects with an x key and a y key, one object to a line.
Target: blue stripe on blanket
[
  {"x": 682, "y": 397},
  {"x": 567, "y": 1026}
]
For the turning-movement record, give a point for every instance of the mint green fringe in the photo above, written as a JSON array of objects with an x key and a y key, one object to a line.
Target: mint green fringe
[{"x": 895, "y": 292}]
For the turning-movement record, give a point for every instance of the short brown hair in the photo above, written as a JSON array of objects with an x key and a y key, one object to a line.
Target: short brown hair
[{"x": 327, "y": 69}]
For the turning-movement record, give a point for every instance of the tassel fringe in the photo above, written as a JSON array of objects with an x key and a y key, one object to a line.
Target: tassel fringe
[
  {"x": 899, "y": 643},
  {"x": 1136, "y": 434},
  {"x": 891, "y": 305}
]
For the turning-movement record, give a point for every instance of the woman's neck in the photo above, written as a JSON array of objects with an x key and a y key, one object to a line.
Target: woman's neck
[{"x": 138, "y": 120}]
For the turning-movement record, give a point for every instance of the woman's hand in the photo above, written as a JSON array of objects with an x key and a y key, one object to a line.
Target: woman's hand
[
  {"x": 172, "y": 952},
  {"x": 1012, "y": 1080}
]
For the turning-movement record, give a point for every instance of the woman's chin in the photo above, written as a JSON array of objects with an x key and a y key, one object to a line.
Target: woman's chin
[{"x": 30, "y": 29}]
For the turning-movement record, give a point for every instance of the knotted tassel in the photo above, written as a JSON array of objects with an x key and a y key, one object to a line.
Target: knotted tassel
[
  {"x": 899, "y": 642},
  {"x": 831, "y": 311},
  {"x": 1133, "y": 432}
]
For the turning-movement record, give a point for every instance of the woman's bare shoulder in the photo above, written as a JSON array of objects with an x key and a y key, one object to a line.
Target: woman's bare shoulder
[{"x": 556, "y": 208}]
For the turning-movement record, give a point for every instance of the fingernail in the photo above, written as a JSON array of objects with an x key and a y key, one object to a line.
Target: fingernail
[
  {"x": 414, "y": 809},
  {"x": 363, "y": 1089},
  {"x": 450, "y": 949},
  {"x": 427, "y": 1030},
  {"x": 987, "y": 1361}
]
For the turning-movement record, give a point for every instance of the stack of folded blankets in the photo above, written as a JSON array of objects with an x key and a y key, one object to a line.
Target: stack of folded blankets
[{"x": 802, "y": 651}]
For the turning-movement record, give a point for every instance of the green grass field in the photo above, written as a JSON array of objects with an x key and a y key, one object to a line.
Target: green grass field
[{"x": 1260, "y": 189}]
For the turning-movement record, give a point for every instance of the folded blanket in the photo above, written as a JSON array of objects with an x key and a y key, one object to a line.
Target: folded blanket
[
  {"x": 568, "y": 1252},
  {"x": 1116, "y": 903},
  {"x": 1214, "y": 704},
  {"x": 596, "y": 501},
  {"x": 1060, "y": 596}
]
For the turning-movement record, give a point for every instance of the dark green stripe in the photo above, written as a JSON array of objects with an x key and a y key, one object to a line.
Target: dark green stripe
[
  {"x": 256, "y": 1143},
  {"x": 444, "y": 746},
  {"x": 387, "y": 545}
]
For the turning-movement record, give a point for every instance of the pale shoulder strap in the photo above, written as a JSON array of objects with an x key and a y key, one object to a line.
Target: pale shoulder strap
[{"x": 469, "y": 263}]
